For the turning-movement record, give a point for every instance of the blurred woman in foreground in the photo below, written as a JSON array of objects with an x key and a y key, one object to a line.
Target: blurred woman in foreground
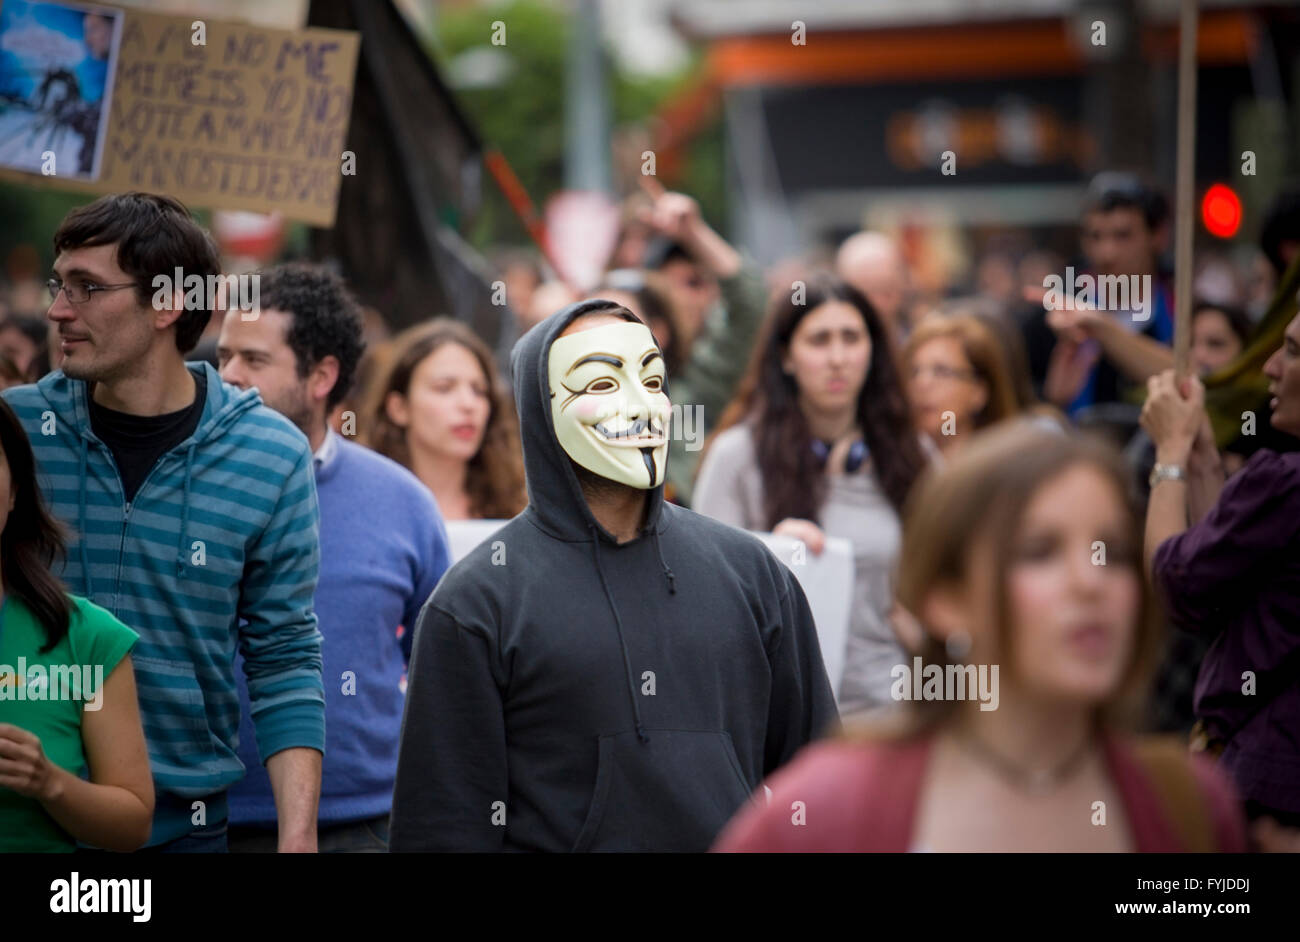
[{"x": 1022, "y": 560}]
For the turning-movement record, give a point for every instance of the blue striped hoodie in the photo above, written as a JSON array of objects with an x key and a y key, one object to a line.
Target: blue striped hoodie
[{"x": 219, "y": 549}]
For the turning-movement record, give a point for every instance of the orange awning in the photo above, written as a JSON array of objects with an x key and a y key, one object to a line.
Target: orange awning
[{"x": 970, "y": 50}]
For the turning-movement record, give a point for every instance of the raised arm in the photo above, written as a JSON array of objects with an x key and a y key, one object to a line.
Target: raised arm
[
  {"x": 1137, "y": 356},
  {"x": 1172, "y": 421}
]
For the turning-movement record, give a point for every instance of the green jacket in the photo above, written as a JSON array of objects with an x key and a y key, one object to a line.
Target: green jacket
[{"x": 709, "y": 379}]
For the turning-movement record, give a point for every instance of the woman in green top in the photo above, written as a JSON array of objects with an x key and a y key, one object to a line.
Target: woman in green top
[{"x": 73, "y": 761}]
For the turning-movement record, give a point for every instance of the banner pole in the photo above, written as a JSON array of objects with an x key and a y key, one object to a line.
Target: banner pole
[{"x": 1184, "y": 207}]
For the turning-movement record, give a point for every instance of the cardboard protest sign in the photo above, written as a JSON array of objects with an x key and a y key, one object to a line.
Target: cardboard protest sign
[{"x": 226, "y": 116}]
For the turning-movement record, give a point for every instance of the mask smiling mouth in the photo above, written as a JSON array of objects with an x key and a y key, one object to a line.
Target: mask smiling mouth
[{"x": 640, "y": 434}]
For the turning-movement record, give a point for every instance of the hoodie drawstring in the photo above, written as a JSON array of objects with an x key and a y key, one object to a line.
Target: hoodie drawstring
[
  {"x": 185, "y": 509},
  {"x": 618, "y": 625},
  {"x": 81, "y": 521},
  {"x": 672, "y": 579}
]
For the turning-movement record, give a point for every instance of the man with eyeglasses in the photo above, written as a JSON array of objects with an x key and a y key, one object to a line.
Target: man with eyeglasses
[{"x": 195, "y": 516}]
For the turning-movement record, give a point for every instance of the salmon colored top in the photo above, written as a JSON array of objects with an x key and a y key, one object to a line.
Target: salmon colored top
[{"x": 864, "y": 797}]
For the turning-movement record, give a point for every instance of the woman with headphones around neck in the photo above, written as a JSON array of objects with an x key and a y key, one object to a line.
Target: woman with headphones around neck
[{"x": 819, "y": 442}]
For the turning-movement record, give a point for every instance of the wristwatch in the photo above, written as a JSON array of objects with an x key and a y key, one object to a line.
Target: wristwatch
[{"x": 1166, "y": 472}]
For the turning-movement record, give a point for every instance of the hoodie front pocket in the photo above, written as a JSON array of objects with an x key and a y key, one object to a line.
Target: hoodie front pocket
[
  {"x": 172, "y": 709},
  {"x": 672, "y": 793}
]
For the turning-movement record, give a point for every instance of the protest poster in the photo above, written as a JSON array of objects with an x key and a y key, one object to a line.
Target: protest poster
[
  {"x": 224, "y": 115},
  {"x": 57, "y": 64}
]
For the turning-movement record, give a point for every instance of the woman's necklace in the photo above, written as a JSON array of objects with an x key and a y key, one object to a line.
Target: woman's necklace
[{"x": 1031, "y": 781}]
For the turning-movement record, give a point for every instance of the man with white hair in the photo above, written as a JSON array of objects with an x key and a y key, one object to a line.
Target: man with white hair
[{"x": 873, "y": 264}]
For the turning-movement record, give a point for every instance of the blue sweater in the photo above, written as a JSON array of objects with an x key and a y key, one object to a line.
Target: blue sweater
[
  {"x": 383, "y": 548},
  {"x": 217, "y": 551}
]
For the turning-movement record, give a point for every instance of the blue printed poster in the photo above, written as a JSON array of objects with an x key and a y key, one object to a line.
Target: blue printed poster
[{"x": 57, "y": 62}]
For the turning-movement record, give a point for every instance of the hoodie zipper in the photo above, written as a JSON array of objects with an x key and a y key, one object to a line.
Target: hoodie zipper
[
  {"x": 126, "y": 514},
  {"x": 126, "y": 508}
]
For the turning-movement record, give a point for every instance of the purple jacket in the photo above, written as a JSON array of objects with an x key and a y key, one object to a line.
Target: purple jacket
[{"x": 1235, "y": 577}]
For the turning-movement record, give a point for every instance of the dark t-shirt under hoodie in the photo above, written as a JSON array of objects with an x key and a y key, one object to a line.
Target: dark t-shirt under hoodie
[{"x": 569, "y": 693}]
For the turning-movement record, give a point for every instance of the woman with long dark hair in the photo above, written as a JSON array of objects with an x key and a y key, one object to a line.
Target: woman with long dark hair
[
  {"x": 73, "y": 761},
  {"x": 440, "y": 411},
  {"x": 820, "y": 441}
]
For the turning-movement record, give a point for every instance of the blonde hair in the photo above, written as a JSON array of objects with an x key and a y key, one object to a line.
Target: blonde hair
[{"x": 982, "y": 349}]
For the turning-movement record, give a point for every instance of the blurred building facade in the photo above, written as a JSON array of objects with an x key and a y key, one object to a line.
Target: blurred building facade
[{"x": 843, "y": 117}]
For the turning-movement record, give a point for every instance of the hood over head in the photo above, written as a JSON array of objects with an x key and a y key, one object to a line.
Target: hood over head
[{"x": 554, "y": 494}]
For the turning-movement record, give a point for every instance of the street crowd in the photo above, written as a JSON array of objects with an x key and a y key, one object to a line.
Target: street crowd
[{"x": 237, "y": 523}]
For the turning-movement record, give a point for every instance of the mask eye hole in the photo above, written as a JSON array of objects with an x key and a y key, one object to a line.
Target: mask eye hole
[
  {"x": 603, "y": 385},
  {"x": 654, "y": 384}
]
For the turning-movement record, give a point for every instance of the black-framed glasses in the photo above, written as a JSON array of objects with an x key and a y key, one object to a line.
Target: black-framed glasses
[{"x": 79, "y": 292}]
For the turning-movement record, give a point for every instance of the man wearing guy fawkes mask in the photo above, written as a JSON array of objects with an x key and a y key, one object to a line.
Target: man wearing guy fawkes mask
[{"x": 608, "y": 671}]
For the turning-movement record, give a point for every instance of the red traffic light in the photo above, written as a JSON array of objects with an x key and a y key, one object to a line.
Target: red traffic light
[{"x": 1221, "y": 211}]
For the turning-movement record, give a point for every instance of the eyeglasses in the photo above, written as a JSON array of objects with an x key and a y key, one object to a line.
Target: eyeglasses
[
  {"x": 79, "y": 292},
  {"x": 940, "y": 371}
]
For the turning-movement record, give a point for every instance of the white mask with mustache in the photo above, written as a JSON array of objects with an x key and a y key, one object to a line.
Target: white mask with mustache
[{"x": 608, "y": 404}]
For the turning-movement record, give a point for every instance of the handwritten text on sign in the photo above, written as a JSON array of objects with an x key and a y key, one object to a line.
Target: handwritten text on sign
[{"x": 254, "y": 119}]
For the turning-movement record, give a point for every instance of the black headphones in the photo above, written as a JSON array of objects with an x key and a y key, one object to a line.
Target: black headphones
[{"x": 857, "y": 454}]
